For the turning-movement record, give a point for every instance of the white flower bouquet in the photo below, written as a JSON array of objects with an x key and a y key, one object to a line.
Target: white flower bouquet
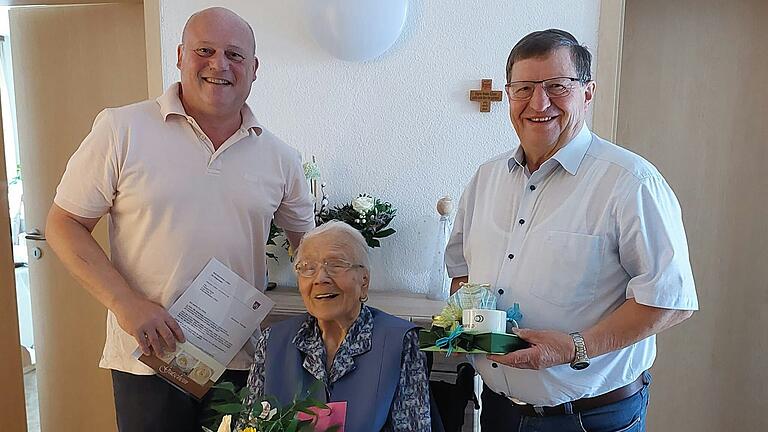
[{"x": 371, "y": 216}]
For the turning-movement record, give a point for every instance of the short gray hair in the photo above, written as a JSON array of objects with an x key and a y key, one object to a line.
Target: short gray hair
[
  {"x": 542, "y": 43},
  {"x": 356, "y": 244}
]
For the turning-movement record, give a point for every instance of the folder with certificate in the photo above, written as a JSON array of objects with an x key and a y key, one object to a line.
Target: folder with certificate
[{"x": 218, "y": 313}]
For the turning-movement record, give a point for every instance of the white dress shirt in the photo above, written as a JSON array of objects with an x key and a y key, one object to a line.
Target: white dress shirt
[{"x": 594, "y": 226}]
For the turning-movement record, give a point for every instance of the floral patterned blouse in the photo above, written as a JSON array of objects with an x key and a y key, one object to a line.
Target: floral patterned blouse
[{"x": 410, "y": 408}]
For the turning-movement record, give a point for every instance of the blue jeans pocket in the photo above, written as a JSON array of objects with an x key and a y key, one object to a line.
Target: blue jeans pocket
[
  {"x": 627, "y": 415},
  {"x": 634, "y": 426}
]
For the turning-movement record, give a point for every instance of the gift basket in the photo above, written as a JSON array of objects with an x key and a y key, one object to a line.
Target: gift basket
[{"x": 470, "y": 323}]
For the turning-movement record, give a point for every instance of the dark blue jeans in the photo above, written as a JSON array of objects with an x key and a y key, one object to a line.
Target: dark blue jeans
[
  {"x": 147, "y": 403},
  {"x": 627, "y": 415}
]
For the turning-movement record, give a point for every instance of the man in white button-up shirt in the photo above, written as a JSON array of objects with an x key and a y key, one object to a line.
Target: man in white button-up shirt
[
  {"x": 587, "y": 237},
  {"x": 186, "y": 177}
]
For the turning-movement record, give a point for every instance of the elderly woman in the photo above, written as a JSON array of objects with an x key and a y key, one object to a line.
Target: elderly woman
[{"x": 363, "y": 356}]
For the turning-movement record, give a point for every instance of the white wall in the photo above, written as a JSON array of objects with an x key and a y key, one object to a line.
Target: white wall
[{"x": 401, "y": 126}]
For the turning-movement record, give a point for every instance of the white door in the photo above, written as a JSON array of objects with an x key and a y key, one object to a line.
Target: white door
[{"x": 69, "y": 62}]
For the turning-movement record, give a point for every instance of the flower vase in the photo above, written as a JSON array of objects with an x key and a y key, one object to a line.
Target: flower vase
[{"x": 439, "y": 283}]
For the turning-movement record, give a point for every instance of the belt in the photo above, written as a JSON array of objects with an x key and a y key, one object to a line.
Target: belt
[{"x": 583, "y": 404}]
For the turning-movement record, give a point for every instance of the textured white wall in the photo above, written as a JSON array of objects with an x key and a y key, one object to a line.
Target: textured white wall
[{"x": 399, "y": 127}]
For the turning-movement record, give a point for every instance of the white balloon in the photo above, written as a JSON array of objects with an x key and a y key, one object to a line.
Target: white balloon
[{"x": 356, "y": 30}]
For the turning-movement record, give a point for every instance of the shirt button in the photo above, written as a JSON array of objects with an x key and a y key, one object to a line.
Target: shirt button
[
  {"x": 532, "y": 187},
  {"x": 511, "y": 256},
  {"x": 501, "y": 291},
  {"x": 522, "y": 221},
  {"x": 494, "y": 365}
]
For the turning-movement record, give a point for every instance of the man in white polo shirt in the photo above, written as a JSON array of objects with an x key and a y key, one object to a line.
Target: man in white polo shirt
[
  {"x": 186, "y": 177},
  {"x": 587, "y": 237}
]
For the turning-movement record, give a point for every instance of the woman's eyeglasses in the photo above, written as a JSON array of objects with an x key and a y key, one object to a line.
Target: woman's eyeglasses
[{"x": 332, "y": 267}]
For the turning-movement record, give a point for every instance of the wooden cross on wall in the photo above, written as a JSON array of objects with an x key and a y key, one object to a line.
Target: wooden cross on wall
[{"x": 485, "y": 95}]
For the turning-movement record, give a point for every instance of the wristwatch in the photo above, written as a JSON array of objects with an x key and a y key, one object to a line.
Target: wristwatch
[{"x": 580, "y": 359}]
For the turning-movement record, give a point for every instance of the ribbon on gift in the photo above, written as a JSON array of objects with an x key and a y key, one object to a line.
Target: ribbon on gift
[
  {"x": 449, "y": 340},
  {"x": 468, "y": 342},
  {"x": 514, "y": 315}
]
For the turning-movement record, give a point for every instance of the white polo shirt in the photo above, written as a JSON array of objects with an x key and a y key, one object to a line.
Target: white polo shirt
[
  {"x": 594, "y": 226},
  {"x": 174, "y": 203}
]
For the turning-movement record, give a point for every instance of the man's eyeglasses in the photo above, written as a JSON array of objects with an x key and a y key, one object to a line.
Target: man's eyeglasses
[
  {"x": 553, "y": 87},
  {"x": 333, "y": 267}
]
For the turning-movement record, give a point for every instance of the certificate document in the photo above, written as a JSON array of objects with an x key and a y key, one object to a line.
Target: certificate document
[{"x": 218, "y": 313}]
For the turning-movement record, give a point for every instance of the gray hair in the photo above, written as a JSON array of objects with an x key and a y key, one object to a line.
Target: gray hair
[
  {"x": 356, "y": 242},
  {"x": 542, "y": 43}
]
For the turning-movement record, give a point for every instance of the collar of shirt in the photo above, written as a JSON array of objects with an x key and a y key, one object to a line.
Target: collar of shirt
[
  {"x": 569, "y": 156},
  {"x": 170, "y": 103},
  {"x": 309, "y": 341}
]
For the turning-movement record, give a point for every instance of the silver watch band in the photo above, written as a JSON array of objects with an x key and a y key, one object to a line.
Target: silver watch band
[{"x": 580, "y": 357}]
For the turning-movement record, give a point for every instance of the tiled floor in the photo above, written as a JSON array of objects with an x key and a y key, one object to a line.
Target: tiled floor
[{"x": 30, "y": 390}]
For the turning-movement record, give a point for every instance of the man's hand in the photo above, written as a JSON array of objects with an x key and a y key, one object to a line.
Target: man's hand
[
  {"x": 628, "y": 324},
  {"x": 548, "y": 348},
  {"x": 70, "y": 237},
  {"x": 150, "y": 324}
]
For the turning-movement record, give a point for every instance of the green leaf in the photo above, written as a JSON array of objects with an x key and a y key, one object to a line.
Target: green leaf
[
  {"x": 230, "y": 408},
  {"x": 306, "y": 426},
  {"x": 307, "y": 411},
  {"x": 384, "y": 233},
  {"x": 219, "y": 395},
  {"x": 316, "y": 386},
  {"x": 302, "y": 404},
  {"x": 317, "y": 403},
  {"x": 293, "y": 425},
  {"x": 226, "y": 385}
]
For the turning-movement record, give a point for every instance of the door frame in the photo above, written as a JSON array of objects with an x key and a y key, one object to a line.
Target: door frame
[
  {"x": 154, "y": 48},
  {"x": 610, "y": 41},
  {"x": 12, "y": 401}
]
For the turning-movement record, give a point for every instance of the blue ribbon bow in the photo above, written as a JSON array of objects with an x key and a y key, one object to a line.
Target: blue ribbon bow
[
  {"x": 448, "y": 340},
  {"x": 514, "y": 314}
]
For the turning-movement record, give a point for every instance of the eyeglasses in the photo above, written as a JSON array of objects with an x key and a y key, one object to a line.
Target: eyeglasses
[
  {"x": 332, "y": 267},
  {"x": 553, "y": 87}
]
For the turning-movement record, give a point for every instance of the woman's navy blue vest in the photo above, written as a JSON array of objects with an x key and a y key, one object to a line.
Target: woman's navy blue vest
[{"x": 369, "y": 389}]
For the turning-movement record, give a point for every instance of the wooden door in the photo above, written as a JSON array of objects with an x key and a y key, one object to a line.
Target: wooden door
[
  {"x": 69, "y": 63},
  {"x": 693, "y": 100}
]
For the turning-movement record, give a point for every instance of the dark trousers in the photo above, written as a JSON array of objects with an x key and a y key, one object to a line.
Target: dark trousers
[
  {"x": 147, "y": 403},
  {"x": 628, "y": 415}
]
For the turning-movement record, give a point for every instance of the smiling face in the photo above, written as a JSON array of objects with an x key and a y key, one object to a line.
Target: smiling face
[
  {"x": 217, "y": 64},
  {"x": 332, "y": 298},
  {"x": 543, "y": 122}
]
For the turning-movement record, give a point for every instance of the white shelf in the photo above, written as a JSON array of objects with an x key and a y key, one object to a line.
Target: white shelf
[{"x": 414, "y": 307}]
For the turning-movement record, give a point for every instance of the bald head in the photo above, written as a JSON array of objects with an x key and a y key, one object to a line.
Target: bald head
[
  {"x": 218, "y": 65},
  {"x": 219, "y": 16}
]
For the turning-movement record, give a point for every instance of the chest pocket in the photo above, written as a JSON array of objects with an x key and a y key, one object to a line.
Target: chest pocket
[
  {"x": 264, "y": 193},
  {"x": 569, "y": 268}
]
